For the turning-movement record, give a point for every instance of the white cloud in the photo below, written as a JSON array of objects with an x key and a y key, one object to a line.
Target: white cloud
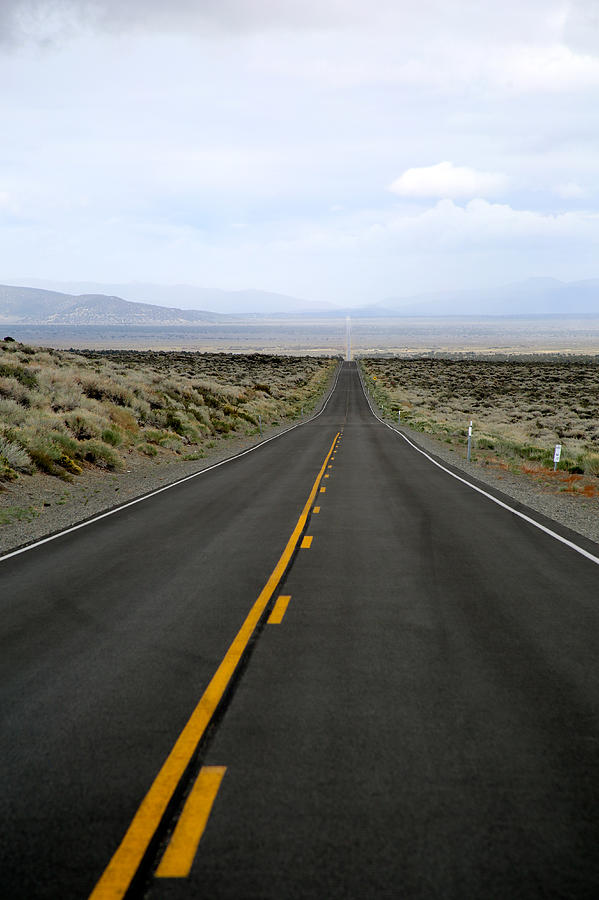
[
  {"x": 447, "y": 180},
  {"x": 581, "y": 26},
  {"x": 446, "y": 226},
  {"x": 552, "y": 69},
  {"x": 148, "y": 133},
  {"x": 53, "y": 20},
  {"x": 364, "y": 255},
  {"x": 570, "y": 190}
]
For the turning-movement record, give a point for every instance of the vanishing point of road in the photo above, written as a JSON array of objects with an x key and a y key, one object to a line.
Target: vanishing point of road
[{"x": 325, "y": 669}]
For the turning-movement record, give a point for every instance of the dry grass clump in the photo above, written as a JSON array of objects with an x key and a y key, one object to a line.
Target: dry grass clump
[
  {"x": 61, "y": 411},
  {"x": 520, "y": 408}
]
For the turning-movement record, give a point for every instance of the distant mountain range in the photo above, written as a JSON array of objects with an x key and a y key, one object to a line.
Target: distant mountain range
[
  {"x": 26, "y": 305},
  {"x": 186, "y": 296},
  {"x": 535, "y": 296}
]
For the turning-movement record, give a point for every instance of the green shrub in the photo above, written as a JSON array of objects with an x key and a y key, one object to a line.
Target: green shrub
[
  {"x": 154, "y": 435},
  {"x": 591, "y": 463},
  {"x": 534, "y": 454},
  {"x": 148, "y": 449},
  {"x": 99, "y": 453},
  {"x": 221, "y": 426},
  {"x": 7, "y": 473},
  {"x": 45, "y": 457},
  {"x": 14, "y": 390},
  {"x": 81, "y": 426},
  {"x": 14, "y": 455},
  {"x": 66, "y": 443},
  {"x": 248, "y": 418},
  {"x": 172, "y": 444},
  {"x": 22, "y": 375},
  {"x": 174, "y": 422},
  {"x": 112, "y": 436},
  {"x": 104, "y": 389},
  {"x": 11, "y": 412}
]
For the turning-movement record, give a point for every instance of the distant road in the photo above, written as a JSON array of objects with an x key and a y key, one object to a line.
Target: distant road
[{"x": 364, "y": 678}]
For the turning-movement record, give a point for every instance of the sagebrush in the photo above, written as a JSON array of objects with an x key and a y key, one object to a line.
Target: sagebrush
[{"x": 61, "y": 411}]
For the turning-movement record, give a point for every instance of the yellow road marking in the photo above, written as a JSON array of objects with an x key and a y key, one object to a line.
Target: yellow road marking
[
  {"x": 323, "y": 490},
  {"x": 329, "y": 467},
  {"x": 326, "y": 476},
  {"x": 279, "y": 610},
  {"x": 306, "y": 542},
  {"x": 316, "y": 509},
  {"x": 178, "y": 856},
  {"x": 116, "y": 878}
]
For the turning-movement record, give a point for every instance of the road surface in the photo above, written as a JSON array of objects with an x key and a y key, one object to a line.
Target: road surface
[{"x": 419, "y": 720}]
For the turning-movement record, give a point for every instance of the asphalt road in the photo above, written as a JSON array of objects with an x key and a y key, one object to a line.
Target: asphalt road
[{"x": 423, "y": 721}]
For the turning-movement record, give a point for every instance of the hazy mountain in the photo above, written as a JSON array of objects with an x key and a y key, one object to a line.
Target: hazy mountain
[
  {"x": 186, "y": 296},
  {"x": 28, "y": 305},
  {"x": 534, "y": 296}
]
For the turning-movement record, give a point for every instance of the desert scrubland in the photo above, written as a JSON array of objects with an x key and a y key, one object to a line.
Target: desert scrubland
[
  {"x": 65, "y": 414},
  {"x": 520, "y": 409}
]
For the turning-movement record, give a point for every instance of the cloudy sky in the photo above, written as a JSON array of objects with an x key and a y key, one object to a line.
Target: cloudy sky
[{"x": 331, "y": 149}]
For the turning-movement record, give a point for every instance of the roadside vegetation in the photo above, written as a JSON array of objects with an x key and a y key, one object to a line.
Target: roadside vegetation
[
  {"x": 64, "y": 411},
  {"x": 520, "y": 409}
]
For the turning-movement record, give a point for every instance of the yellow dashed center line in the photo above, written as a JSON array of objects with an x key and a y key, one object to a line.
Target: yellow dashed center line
[
  {"x": 116, "y": 878},
  {"x": 323, "y": 490},
  {"x": 279, "y": 610},
  {"x": 306, "y": 542},
  {"x": 178, "y": 856},
  {"x": 316, "y": 510}
]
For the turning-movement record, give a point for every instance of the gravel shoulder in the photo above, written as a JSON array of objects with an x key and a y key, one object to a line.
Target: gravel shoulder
[
  {"x": 39, "y": 505},
  {"x": 574, "y": 511}
]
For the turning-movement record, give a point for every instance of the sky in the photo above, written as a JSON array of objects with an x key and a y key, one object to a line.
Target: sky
[{"x": 334, "y": 150}]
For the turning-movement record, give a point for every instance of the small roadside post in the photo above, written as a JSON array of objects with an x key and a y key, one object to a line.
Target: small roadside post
[
  {"x": 260, "y": 424},
  {"x": 399, "y": 416},
  {"x": 469, "y": 440},
  {"x": 556, "y": 455}
]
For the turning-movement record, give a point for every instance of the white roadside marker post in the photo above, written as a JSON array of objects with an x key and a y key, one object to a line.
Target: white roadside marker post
[
  {"x": 469, "y": 439},
  {"x": 260, "y": 424},
  {"x": 556, "y": 455},
  {"x": 399, "y": 416}
]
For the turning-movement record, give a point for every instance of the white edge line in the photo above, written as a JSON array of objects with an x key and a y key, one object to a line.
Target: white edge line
[
  {"x": 465, "y": 481},
  {"x": 166, "y": 487}
]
